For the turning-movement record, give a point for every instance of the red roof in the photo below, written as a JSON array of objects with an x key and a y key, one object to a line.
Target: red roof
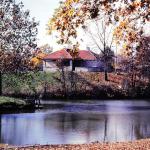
[
  {"x": 86, "y": 55},
  {"x": 61, "y": 54}
]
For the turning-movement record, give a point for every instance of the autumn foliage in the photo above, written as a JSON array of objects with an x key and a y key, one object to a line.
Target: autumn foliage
[
  {"x": 17, "y": 36},
  {"x": 128, "y": 17},
  {"x": 36, "y": 61}
]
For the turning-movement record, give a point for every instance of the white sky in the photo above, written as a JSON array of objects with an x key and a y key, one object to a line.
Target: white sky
[{"x": 42, "y": 10}]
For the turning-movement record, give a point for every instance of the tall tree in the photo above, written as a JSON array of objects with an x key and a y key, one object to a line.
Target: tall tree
[
  {"x": 17, "y": 37},
  {"x": 101, "y": 40},
  {"x": 128, "y": 17},
  {"x": 142, "y": 59}
]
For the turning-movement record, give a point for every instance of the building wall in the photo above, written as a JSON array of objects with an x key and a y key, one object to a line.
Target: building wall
[
  {"x": 82, "y": 69},
  {"x": 49, "y": 66},
  {"x": 80, "y": 65},
  {"x": 52, "y": 66}
]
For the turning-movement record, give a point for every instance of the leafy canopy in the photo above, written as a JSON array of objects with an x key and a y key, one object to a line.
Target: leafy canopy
[
  {"x": 17, "y": 36},
  {"x": 128, "y": 17}
]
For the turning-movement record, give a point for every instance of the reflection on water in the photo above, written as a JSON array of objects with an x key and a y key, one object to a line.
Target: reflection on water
[{"x": 78, "y": 123}]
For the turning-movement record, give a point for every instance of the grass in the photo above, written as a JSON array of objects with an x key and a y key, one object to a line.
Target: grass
[{"x": 9, "y": 102}]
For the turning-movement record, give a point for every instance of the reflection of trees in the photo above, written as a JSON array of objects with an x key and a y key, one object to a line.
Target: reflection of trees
[
  {"x": 68, "y": 121},
  {"x": 0, "y": 129},
  {"x": 102, "y": 127},
  {"x": 137, "y": 131},
  {"x": 141, "y": 126},
  {"x": 126, "y": 127},
  {"x": 91, "y": 126},
  {"x": 105, "y": 128},
  {"x": 9, "y": 131},
  {"x": 85, "y": 124}
]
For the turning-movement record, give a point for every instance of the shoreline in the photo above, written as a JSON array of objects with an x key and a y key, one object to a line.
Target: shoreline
[
  {"x": 143, "y": 144},
  {"x": 15, "y": 105},
  {"x": 82, "y": 96}
]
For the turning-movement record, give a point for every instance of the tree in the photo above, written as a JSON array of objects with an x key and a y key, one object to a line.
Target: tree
[
  {"x": 101, "y": 40},
  {"x": 127, "y": 16},
  {"x": 46, "y": 48},
  {"x": 17, "y": 38},
  {"x": 142, "y": 59}
]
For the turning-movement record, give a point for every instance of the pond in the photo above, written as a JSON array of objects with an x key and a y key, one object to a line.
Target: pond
[{"x": 80, "y": 122}]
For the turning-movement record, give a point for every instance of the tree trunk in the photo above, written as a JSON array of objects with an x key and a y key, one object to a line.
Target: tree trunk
[
  {"x": 106, "y": 75},
  {"x": 45, "y": 89},
  {"x": 73, "y": 65},
  {"x": 73, "y": 83},
  {"x": 45, "y": 85},
  {"x": 0, "y": 83},
  {"x": 105, "y": 129},
  {"x": 106, "y": 70},
  {"x": 64, "y": 82}
]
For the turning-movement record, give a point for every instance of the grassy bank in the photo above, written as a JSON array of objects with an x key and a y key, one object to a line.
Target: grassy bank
[
  {"x": 9, "y": 103},
  {"x": 72, "y": 85}
]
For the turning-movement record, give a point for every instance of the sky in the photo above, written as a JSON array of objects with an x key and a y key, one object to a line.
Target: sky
[{"x": 42, "y": 10}]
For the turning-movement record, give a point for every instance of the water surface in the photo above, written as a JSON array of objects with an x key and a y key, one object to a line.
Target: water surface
[{"x": 81, "y": 122}]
